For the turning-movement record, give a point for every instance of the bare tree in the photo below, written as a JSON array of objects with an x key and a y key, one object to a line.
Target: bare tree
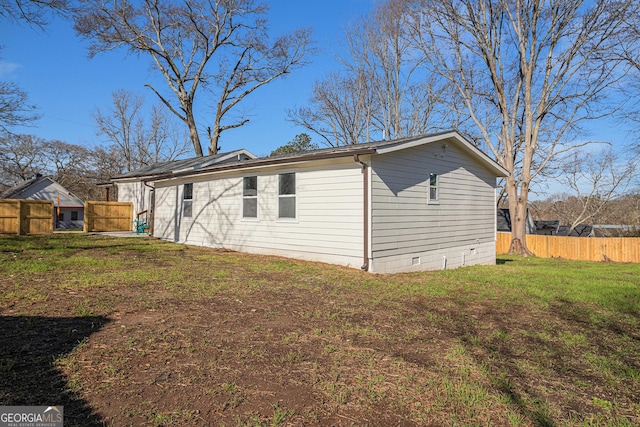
[
  {"x": 15, "y": 109},
  {"x": 75, "y": 167},
  {"x": 140, "y": 142},
  {"x": 623, "y": 210},
  {"x": 529, "y": 73},
  {"x": 32, "y": 11},
  {"x": 631, "y": 54},
  {"x": 21, "y": 158},
  {"x": 383, "y": 92},
  {"x": 379, "y": 48},
  {"x": 339, "y": 110},
  {"x": 595, "y": 179},
  {"x": 65, "y": 160},
  {"x": 164, "y": 140},
  {"x": 185, "y": 39},
  {"x": 107, "y": 162},
  {"x": 71, "y": 166}
]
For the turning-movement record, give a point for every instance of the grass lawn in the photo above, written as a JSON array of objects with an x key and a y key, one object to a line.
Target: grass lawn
[{"x": 141, "y": 332}]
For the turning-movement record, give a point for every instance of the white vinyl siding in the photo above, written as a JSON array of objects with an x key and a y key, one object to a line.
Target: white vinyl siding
[
  {"x": 329, "y": 213},
  {"x": 405, "y": 222},
  {"x": 407, "y": 231},
  {"x": 137, "y": 193}
]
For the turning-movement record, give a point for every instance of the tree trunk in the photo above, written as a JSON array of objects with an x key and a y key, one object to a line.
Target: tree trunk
[
  {"x": 214, "y": 137},
  {"x": 518, "y": 214},
  {"x": 193, "y": 132}
]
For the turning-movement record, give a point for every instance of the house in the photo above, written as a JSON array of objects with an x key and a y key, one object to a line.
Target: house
[
  {"x": 553, "y": 228},
  {"x": 503, "y": 222},
  {"x": 134, "y": 186},
  {"x": 68, "y": 208},
  {"x": 616, "y": 230},
  {"x": 411, "y": 204},
  {"x": 578, "y": 231},
  {"x": 547, "y": 227}
]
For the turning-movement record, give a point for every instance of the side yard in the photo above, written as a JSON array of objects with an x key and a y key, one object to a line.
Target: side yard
[{"x": 142, "y": 332}]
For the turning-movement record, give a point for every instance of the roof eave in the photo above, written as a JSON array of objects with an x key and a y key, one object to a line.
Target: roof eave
[{"x": 259, "y": 163}]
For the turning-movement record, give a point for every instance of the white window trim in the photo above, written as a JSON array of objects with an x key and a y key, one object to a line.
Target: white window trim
[
  {"x": 435, "y": 201},
  {"x": 250, "y": 218},
  {"x": 294, "y": 196},
  {"x": 183, "y": 200}
]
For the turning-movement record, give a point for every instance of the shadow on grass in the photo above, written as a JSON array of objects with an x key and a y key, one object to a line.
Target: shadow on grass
[
  {"x": 502, "y": 359},
  {"x": 29, "y": 347},
  {"x": 502, "y": 261}
]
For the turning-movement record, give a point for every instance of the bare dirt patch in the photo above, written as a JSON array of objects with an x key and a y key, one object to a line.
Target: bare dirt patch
[{"x": 170, "y": 335}]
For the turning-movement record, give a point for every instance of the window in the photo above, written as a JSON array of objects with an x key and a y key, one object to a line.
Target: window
[
  {"x": 187, "y": 200},
  {"x": 61, "y": 216},
  {"x": 433, "y": 187},
  {"x": 287, "y": 195},
  {"x": 250, "y": 197},
  {"x": 74, "y": 215}
]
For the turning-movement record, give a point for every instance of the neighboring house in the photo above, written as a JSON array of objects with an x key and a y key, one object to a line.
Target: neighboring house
[
  {"x": 553, "y": 228},
  {"x": 578, "y": 231},
  {"x": 68, "y": 208},
  {"x": 615, "y": 230},
  {"x": 134, "y": 186},
  {"x": 547, "y": 228},
  {"x": 503, "y": 222},
  {"x": 416, "y": 203}
]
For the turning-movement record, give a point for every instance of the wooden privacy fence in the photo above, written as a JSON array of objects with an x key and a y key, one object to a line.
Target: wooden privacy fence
[
  {"x": 619, "y": 249},
  {"x": 26, "y": 216},
  {"x": 108, "y": 216}
]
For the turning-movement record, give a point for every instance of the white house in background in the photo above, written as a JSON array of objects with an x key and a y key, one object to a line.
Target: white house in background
[
  {"x": 419, "y": 203},
  {"x": 68, "y": 208}
]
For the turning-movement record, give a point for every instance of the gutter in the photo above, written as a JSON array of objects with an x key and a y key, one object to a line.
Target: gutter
[
  {"x": 248, "y": 164},
  {"x": 365, "y": 212},
  {"x": 152, "y": 202}
]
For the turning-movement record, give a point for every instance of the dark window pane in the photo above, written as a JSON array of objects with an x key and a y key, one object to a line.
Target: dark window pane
[
  {"x": 433, "y": 179},
  {"x": 287, "y": 207},
  {"x": 188, "y": 191},
  {"x": 287, "y": 183},
  {"x": 250, "y": 208},
  {"x": 250, "y": 186}
]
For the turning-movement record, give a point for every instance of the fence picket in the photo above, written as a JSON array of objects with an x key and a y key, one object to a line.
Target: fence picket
[
  {"x": 108, "y": 216},
  {"x": 619, "y": 249}
]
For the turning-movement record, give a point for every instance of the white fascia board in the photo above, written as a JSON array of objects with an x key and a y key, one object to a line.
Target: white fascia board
[
  {"x": 242, "y": 169},
  {"x": 131, "y": 179}
]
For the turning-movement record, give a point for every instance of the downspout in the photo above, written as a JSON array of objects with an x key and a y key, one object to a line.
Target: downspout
[
  {"x": 365, "y": 210},
  {"x": 152, "y": 202}
]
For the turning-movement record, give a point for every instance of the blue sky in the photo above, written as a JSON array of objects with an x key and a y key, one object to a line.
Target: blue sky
[{"x": 52, "y": 66}]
